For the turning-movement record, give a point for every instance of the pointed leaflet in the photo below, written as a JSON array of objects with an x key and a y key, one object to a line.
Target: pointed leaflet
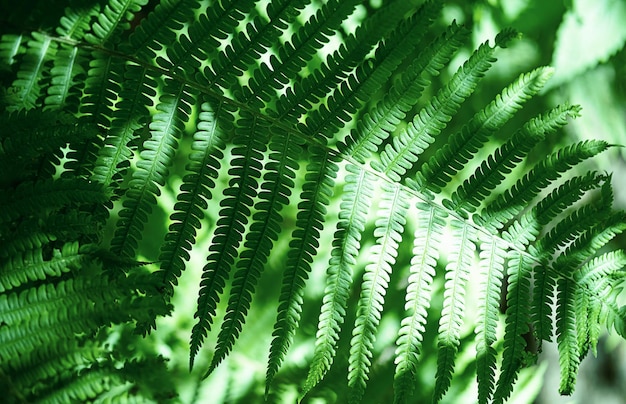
[
  {"x": 463, "y": 145},
  {"x": 315, "y": 87},
  {"x": 285, "y": 151},
  {"x": 316, "y": 193},
  {"x": 166, "y": 128},
  {"x": 492, "y": 257},
  {"x": 213, "y": 129},
  {"x": 28, "y": 84},
  {"x": 566, "y": 313},
  {"x": 245, "y": 169},
  {"x": 516, "y": 323},
  {"x": 399, "y": 156},
  {"x": 354, "y": 207},
  {"x": 430, "y": 222},
  {"x": 376, "y": 125},
  {"x": 369, "y": 76},
  {"x": 389, "y": 228},
  {"x": 113, "y": 20},
  {"x": 527, "y": 227},
  {"x": 493, "y": 170},
  {"x": 510, "y": 203},
  {"x": 295, "y": 54},
  {"x": 131, "y": 113},
  {"x": 462, "y": 250}
]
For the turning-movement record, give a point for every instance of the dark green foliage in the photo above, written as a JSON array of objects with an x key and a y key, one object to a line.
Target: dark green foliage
[{"x": 282, "y": 116}]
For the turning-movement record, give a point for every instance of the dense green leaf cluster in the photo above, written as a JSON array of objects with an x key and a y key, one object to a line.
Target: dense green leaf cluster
[{"x": 274, "y": 107}]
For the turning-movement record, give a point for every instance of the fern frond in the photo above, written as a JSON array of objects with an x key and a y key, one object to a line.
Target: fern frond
[
  {"x": 492, "y": 260},
  {"x": 461, "y": 147},
  {"x": 101, "y": 88},
  {"x": 77, "y": 21},
  {"x": 216, "y": 23},
  {"x": 566, "y": 319},
  {"x": 542, "y": 304},
  {"x": 130, "y": 115},
  {"x": 600, "y": 267},
  {"x": 32, "y": 265},
  {"x": 527, "y": 228},
  {"x": 316, "y": 194},
  {"x": 389, "y": 228},
  {"x": 152, "y": 169},
  {"x": 28, "y": 84},
  {"x": 285, "y": 151},
  {"x": 65, "y": 75},
  {"x": 354, "y": 207},
  {"x": 158, "y": 30},
  {"x": 376, "y": 125},
  {"x": 457, "y": 274},
  {"x": 516, "y": 323},
  {"x": 469, "y": 195},
  {"x": 508, "y": 204},
  {"x": 11, "y": 45},
  {"x": 430, "y": 223},
  {"x": 209, "y": 141},
  {"x": 233, "y": 217},
  {"x": 399, "y": 156},
  {"x": 353, "y": 50},
  {"x": 370, "y": 75},
  {"x": 247, "y": 46},
  {"x": 114, "y": 18},
  {"x": 294, "y": 55}
]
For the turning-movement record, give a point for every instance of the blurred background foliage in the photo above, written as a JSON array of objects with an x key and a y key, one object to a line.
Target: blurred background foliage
[{"x": 584, "y": 40}]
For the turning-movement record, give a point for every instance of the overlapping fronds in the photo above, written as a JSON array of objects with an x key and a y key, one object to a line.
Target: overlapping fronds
[{"x": 273, "y": 108}]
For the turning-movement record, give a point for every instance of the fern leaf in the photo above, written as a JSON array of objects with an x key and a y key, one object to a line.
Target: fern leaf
[
  {"x": 114, "y": 18},
  {"x": 28, "y": 84},
  {"x": 218, "y": 21},
  {"x": 575, "y": 224},
  {"x": 566, "y": 319},
  {"x": 376, "y": 125},
  {"x": 152, "y": 169},
  {"x": 158, "y": 29},
  {"x": 508, "y": 204},
  {"x": 527, "y": 228},
  {"x": 308, "y": 91},
  {"x": 354, "y": 207},
  {"x": 542, "y": 304},
  {"x": 213, "y": 127},
  {"x": 135, "y": 92},
  {"x": 492, "y": 258},
  {"x": 264, "y": 230},
  {"x": 468, "y": 196},
  {"x": 430, "y": 223},
  {"x": 446, "y": 162},
  {"x": 32, "y": 265},
  {"x": 101, "y": 88},
  {"x": 457, "y": 274},
  {"x": 76, "y": 22},
  {"x": 369, "y": 76},
  {"x": 233, "y": 217},
  {"x": 399, "y": 156},
  {"x": 389, "y": 229},
  {"x": 600, "y": 267},
  {"x": 248, "y": 45},
  {"x": 10, "y": 46},
  {"x": 294, "y": 55},
  {"x": 64, "y": 77},
  {"x": 516, "y": 324},
  {"x": 316, "y": 194}
]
